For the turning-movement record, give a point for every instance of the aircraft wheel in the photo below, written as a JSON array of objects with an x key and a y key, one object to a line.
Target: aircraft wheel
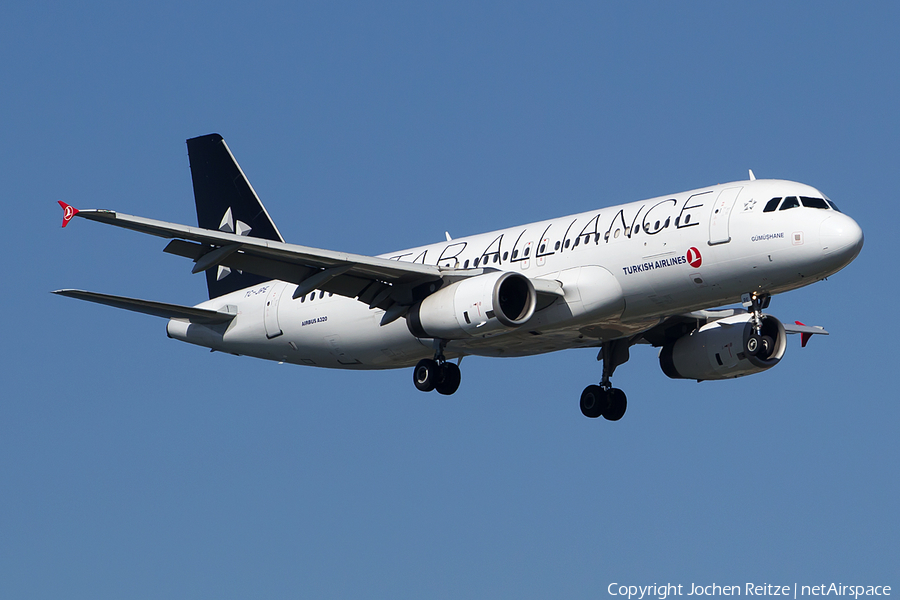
[
  {"x": 593, "y": 401},
  {"x": 617, "y": 405},
  {"x": 425, "y": 375},
  {"x": 767, "y": 346},
  {"x": 753, "y": 345},
  {"x": 450, "y": 378}
]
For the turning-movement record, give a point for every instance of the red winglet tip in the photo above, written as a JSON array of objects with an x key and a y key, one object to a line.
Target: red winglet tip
[
  {"x": 804, "y": 337},
  {"x": 68, "y": 212}
]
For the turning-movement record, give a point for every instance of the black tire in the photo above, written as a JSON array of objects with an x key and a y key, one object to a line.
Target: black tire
[
  {"x": 767, "y": 347},
  {"x": 593, "y": 401},
  {"x": 617, "y": 405},
  {"x": 450, "y": 378},
  {"x": 425, "y": 375}
]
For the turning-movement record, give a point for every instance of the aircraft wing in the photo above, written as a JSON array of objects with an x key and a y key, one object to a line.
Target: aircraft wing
[
  {"x": 805, "y": 331},
  {"x": 378, "y": 282},
  {"x": 678, "y": 325},
  {"x": 157, "y": 309}
]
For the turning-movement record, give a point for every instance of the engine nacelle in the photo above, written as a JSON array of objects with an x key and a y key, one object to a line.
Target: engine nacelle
[
  {"x": 479, "y": 306},
  {"x": 725, "y": 349}
]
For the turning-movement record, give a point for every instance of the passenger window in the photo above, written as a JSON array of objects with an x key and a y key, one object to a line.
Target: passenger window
[
  {"x": 772, "y": 205},
  {"x": 466, "y": 264},
  {"x": 790, "y": 202},
  {"x": 556, "y": 246},
  {"x": 813, "y": 202}
]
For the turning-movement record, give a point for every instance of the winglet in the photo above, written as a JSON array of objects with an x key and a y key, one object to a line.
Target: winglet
[
  {"x": 804, "y": 337},
  {"x": 68, "y": 212}
]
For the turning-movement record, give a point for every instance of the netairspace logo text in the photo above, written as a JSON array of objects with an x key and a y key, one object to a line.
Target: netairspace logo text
[{"x": 663, "y": 591}]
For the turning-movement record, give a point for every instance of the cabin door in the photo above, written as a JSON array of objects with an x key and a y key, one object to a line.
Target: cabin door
[
  {"x": 273, "y": 328},
  {"x": 720, "y": 215}
]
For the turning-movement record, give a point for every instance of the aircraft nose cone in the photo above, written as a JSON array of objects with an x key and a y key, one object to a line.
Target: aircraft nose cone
[{"x": 841, "y": 237}]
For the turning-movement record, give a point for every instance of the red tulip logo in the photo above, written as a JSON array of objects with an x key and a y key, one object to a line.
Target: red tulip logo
[{"x": 694, "y": 258}]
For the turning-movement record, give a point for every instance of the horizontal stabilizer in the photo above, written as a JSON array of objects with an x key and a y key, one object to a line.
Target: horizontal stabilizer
[{"x": 201, "y": 316}]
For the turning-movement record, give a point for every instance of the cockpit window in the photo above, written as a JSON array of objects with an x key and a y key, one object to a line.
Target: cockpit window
[
  {"x": 771, "y": 205},
  {"x": 813, "y": 202},
  {"x": 790, "y": 202},
  {"x": 832, "y": 205}
]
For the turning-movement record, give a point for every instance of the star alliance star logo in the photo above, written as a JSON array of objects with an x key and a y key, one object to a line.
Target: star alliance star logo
[
  {"x": 749, "y": 204},
  {"x": 229, "y": 225}
]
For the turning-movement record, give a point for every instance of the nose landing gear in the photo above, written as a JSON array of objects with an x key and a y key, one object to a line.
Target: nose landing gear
[{"x": 757, "y": 343}]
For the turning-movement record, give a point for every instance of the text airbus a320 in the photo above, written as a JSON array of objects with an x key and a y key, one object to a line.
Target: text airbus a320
[{"x": 648, "y": 272}]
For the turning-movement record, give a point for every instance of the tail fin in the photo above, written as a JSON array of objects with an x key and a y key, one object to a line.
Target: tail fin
[{"x": 226, "y": 201}]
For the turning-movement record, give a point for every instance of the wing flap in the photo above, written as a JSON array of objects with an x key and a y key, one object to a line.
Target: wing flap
[{"x": 148, "y": 307}]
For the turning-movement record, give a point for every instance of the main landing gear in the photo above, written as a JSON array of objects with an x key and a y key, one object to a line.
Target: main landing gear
[
  {"x": 604, "y": 400},
  {"x": 437, "y": 374}
]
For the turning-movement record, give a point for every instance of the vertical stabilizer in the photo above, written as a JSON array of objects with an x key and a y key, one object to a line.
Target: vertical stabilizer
[{"x": 226, "y": 201}]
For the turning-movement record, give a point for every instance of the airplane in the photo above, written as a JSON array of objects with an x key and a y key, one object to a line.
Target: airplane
[{"x": 655, "y": 272}]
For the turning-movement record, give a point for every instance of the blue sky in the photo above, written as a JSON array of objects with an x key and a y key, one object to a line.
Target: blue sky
[{"x": 135, "y": 466}]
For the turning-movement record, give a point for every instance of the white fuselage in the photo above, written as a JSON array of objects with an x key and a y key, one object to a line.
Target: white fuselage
[{"x": 622, "y": 269}]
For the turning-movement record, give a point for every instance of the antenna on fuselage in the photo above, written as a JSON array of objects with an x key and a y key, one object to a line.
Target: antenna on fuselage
[{"x": 752, "y": 176}]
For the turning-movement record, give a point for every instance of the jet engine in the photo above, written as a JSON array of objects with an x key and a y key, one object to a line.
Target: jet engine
[
  {"x": 479, "y": 306},
  {"x": 724, "y": 349}
]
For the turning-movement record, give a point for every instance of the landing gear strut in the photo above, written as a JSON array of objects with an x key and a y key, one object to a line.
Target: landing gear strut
[
  {"x": 605, "y": 400},
  {"x": 437, "y": 374},
  {"x": 757, "y": 343}
]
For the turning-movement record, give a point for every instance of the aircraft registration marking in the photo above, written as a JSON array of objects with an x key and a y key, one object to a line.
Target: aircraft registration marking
[{"x": 257, "y": 291}]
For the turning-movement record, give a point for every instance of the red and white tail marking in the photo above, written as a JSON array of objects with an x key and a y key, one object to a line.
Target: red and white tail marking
[{"x": 68, "y": 212}]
